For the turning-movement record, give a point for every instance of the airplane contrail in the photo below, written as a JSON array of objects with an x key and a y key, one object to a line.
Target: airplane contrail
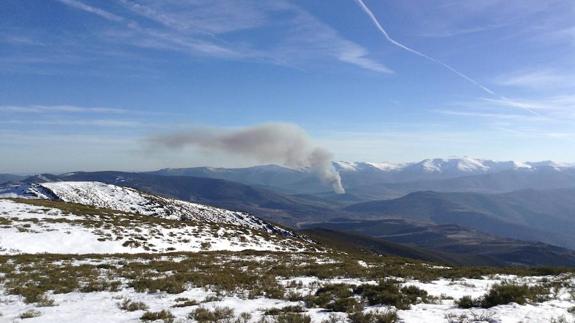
[{"x": 366, "y": 9}]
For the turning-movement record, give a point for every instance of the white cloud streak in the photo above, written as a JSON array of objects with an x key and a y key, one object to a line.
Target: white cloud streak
[
  {"x": 376, "y": 22},
  {"x": 93, "y": 10},
  {"x": 536, "y": 79},
  {"x": 200, "y": 27},
  {"x": 59, "y": 109}
]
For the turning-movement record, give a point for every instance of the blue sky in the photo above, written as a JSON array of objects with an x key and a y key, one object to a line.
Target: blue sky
[{"x": 83, "y": 83}]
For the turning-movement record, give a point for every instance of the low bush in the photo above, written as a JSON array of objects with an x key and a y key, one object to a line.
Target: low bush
[
  {"x": 219, "y": 314},
  {"x": 507, "y": 293},
  {"x": 30, "y": 314},
  {"x": 165, "y": 316},
  {"x": 389, "y": 293},
  {"x": 292, "y": 318},
  {"x": 347, "y": 305},
  {"x": 186, "y": 303},
  {"x": 467, "y": 302},
  {"x": 45, "y": 301},
  {"x": 374, "y": 317},
  {"x": 168, "y": 285},
  {"x": 285, "y": 309},
  {"x": 131, "y": 306}
]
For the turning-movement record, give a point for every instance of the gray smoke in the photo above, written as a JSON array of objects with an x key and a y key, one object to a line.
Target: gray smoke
[{"x": 281, "y": 143}]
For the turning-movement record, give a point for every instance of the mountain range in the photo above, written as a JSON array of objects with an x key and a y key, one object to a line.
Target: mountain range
[
  {"x": 365, "y": 181},
  {"x": 469, "y": 211}
]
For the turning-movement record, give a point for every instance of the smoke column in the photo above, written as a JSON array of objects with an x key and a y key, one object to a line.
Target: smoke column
[{"x": 281, "y": 143}]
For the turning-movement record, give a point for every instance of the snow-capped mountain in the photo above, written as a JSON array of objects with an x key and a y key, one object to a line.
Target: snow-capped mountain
[
  {"x": 444, "y": 168},
  {"x": 130, "y": 200}
]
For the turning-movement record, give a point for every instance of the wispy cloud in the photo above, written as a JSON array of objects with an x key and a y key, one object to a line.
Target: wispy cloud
[
  {"x": 537, "y": 79},
  {"x": 107, "y": 123},
  {"x": 46, "y": 109},
  {"x": 492, "y": 115},
  {"x": 394, "y": 42},
  {"x": 562, "y": 103},
  {"x": 93, "y": 10},
  {"x": 555, "y": 112},
  {"x": 204, "y": 27}
]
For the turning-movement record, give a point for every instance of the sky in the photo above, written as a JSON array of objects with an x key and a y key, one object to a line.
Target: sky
[{"x": 84, "y": 84}]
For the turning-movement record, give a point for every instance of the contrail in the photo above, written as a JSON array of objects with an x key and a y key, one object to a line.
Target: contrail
[{"x": 413, "y": 51}]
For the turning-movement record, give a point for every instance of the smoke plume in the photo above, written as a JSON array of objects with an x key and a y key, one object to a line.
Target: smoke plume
[{"x": 281, "y": 143}]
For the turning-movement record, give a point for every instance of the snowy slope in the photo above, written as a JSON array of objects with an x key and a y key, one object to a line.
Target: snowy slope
[
  {"x": 59, "y": 227},
  {"x": 25, "y": 190},
  {"x": 130, "y": 200}
]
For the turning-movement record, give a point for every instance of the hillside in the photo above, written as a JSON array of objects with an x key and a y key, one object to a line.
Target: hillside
[
  {"x": 445, "y": 243},
  {"x": 129, "y": 200},
  {"x": 9, "y": 177},
  {"x": 46, "y": 226},
  {"x": 547, "y": 216}
]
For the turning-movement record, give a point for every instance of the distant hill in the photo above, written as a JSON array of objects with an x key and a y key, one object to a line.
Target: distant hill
[
  {"x": 352, "y": 241},
  {"x": 443, "y": 243},
  {"x": 542, "y": 215},
  {"x": 9, "y": 177}
]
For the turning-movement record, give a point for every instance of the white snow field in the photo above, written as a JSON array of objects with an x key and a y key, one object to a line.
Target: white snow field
[
  {"x": 130, "y": 200},
  {"x": 105, "y": 306},
  {"x": 26, "y": 228}
]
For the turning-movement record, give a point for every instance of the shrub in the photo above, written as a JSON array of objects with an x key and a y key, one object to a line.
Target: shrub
[
  {"x": 334, "y": 319},
  {"x": 130, "y": 306},
  {"x": 244, "y": 318},
  {"x": 374, "y": 317},
  {"x": 285, "y": 309},
  {"x": 212, "y": 298},
  {"x": 466, "y": 302},
  {"x": 293, "y": 318},
  {"x": 348, "y": 305},
  {"x": 45, "y": 301},
  {"x": 414, "y": 294},
  {"x": 168, "y": 285},
  {"x": 163, "y": 315},
  {"x": 30, "y": 314},
  {"x": 204, "y": 315},
  {"x": 186, "y": 303},
  {"x": 327, "y": 294},
  {"x": 389, "y": 293},
  {"x": 337, "y": 290},
  {"x": 507, "y": 293}
]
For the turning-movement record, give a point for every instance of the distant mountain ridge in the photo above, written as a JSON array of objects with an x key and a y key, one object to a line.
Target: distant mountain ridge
[
  {"x": 440, "y": 168},
  {"x": 365, "y": 181},
  {"x": 10, "y": 177},
  {"x": 451, "y": 243},
  {"x": 536, "y": 215}
]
